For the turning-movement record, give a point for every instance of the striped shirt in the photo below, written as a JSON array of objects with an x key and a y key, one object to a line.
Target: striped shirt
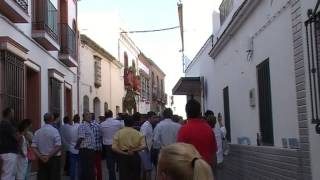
[{"x": 97, "y": 135}]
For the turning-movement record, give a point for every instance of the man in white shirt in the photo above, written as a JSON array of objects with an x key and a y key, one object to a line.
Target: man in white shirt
[
  {"x": 147, "y": 129},
  {"x": 220, "y": 132},
  {"x": 65, "y": 131},
  {"x": 166, "y": 131},
  {"x": 108, "y": 129},
  {"x": 74, "y": 153},
  {"x": 46, "y": 144}
]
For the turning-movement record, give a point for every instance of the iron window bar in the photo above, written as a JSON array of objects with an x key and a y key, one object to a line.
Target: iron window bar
[
  {"x": 23, "y": 4},
  {"x": 13, "y": 83},
  {"x": 312, "y": 26}
]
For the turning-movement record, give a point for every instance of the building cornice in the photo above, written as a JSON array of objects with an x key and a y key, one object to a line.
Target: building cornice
[
  {"x": 96, "y": 47},
  {"x": 197, "y": 57},
  {"x": 127, "y": 40},
  {"x": 237, "y": 20}
]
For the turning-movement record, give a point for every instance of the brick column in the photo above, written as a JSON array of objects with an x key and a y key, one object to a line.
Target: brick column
[{"x": 300, "y": 76}]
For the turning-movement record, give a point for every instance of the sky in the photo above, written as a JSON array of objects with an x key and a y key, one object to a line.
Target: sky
[{"x": 162, "y": 47}]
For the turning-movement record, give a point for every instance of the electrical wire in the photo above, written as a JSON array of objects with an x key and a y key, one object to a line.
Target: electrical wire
[{"x": 153, "y": 30}]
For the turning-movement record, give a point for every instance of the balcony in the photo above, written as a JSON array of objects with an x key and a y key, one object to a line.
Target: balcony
[
  {"x": 45, "y": 29},
  {"x": 128, "y": 78},
  {"x": 15, "y": 10},
  {"x": 68, "y": 50},
  {"x": 164, "y": 99},
  {"x": 136, "y": 84}
]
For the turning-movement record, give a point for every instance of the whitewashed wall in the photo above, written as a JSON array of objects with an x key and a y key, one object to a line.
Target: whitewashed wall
[
  {"x": 231, "y": 68},
  {"x": 44, "y": 59},
  {"x": 111, "y": 90},
  {"x": 116, "y": 88}
]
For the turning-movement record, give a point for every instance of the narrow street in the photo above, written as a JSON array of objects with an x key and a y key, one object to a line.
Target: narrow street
[{"x": 199, "y": 90}]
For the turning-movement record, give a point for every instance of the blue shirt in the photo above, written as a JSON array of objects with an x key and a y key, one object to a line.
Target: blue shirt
[{"x": 46, "y": 139}]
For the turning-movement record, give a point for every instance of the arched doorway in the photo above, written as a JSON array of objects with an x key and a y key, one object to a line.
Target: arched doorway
[
  {"x": 106, "y": 107},
  {"x": 86, "y": 104},
  {"x": 96, "y": 107}
]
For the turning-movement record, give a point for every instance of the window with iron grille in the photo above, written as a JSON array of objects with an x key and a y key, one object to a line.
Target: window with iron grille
[
  {"x": 97, "y": 71},
  {"x": 12, "y": 78},
  {"x": 225, "y": 9},
  {"x": 312, "y": 26},
  {"x": 55, "y": 96}
]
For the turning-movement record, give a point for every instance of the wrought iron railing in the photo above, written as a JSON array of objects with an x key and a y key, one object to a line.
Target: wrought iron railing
[
  {"x": 23, "y": 4},
  {"x": 68, "y": 40},
  {"x": 46, "y": 18},
  {"x": 312, "y": 26}
]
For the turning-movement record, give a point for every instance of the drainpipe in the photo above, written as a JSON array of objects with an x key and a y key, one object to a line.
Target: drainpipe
[
  {"x": 78, "y": 58},
  {"x": 110, "y": 89}
]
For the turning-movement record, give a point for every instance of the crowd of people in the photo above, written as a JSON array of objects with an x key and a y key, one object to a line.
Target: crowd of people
[{"x": 133, "y": 146}]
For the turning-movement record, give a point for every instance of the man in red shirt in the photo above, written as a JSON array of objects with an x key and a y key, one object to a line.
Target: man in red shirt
[{"x": 198, "y": 133}]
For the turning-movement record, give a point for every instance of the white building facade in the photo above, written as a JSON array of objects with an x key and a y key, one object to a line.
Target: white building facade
[
  {"x": 38, "y": 63},
  {"x": 254, "y": 69},
  {"x": 101, "y": 86},
  {"x": 128, "y": 55}
]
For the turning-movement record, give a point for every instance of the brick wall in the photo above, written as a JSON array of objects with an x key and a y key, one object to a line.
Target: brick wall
[
  {"x": 260, "y": 163},
  {"x": 298, "y": 51}
]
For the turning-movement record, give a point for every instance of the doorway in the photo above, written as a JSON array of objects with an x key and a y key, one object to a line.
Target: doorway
[
  {"x": 96, "y": 107},
  {"x": 68, "y": 102},
  {"x": 226, "y": 107},
  {"x": 33, "y": 97},
  {"x": 265, "y": 104}
]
